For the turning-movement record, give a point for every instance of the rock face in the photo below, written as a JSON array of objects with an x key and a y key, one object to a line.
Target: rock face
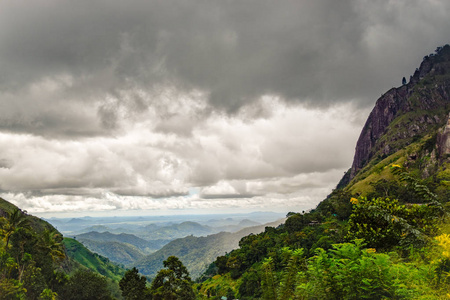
[
  {"x": 443, "y": 140},
  {"x": 407, "y": 112}
]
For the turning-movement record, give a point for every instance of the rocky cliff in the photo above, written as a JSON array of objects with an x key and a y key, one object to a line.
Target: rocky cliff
[
  {"x": 407, "y": 112},
  {"x": 443, "y": 141}
]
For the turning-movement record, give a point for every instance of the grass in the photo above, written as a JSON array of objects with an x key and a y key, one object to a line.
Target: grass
[{"x": 92, "y": 261}]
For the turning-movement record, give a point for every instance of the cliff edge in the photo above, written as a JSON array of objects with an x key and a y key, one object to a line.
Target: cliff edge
[{"x": 406, "y": 113}]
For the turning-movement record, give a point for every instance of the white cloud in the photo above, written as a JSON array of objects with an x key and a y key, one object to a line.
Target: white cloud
[{"x": 290, "y": 150}]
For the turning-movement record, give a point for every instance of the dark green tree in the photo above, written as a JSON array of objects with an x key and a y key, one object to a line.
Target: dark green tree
[
  {"x": 221, "y": 263},
  {"x": 133, "y": 286},
  {"x": 230, "y": 294},
  {"x": 14, "y": 221},
  {"x": 173, "y": 282},
  {"x": 86, "y": 285}
]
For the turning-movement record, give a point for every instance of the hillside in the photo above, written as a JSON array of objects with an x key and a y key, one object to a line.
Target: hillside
[
  {"x": 124, "y": 238},
  {"x": 407, "y": 113},
  {"x": 97, "y": 263},
  {"x": 197, "y": 253},
  {"x": 407, "y": 127},
  {"x": 119, "y": 253},
  {"x": 37, "y": 224},
  {"x": 384, "y": 231}
]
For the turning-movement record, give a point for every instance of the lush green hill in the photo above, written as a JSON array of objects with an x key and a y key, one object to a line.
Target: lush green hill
[
  {"x": 197, "y": 253},
  {"x": 121, "y": 253},
  {"x": 97, "y": 263},
  {"x": 36, "y": 263}
]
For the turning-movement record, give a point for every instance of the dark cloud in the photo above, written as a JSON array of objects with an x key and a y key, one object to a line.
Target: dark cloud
[
  {"x": 149, "y": 98},
  {"x": 317, "y": 52}
]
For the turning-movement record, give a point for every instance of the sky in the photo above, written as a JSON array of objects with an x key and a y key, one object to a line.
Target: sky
[{"x": 148, "y": 106}]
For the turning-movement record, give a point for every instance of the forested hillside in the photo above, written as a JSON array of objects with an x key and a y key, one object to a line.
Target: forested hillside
[
  {"x": 36, "y": 263},
  {"x": 197, "y": 252},
  {"x": 383, "y": 233}
]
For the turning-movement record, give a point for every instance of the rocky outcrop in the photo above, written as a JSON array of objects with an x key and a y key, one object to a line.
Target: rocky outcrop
[
  {"x": 427, "y": 100},
  {"x": 443, "y": 141}
]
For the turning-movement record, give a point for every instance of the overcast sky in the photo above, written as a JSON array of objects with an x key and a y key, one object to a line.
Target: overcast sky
[{"x": 195, "y": 105}]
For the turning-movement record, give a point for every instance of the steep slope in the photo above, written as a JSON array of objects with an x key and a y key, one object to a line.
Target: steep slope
[
  {"x": 97, "y": 263},
  {"x": 197, "y": 253},
  {"x": 408, "y": 112},
  {"x": 76, "y": 253},
  {"x": 120, "y": 253},
  {"x": 36, "y": 223}
]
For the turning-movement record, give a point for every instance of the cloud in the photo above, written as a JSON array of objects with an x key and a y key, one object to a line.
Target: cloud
[
  {"x": 247, "y": 101},
  {"x": 97, "y": 59},
  {"x": 226, "y": 157}
]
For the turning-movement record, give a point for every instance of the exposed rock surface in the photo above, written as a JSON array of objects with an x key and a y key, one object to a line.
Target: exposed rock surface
[
  {"x": 443, "y": 140},
  {"x": 427, "y": 100}
]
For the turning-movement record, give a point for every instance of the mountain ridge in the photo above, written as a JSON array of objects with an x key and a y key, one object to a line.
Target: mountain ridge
[{"x": 427, "y": 92}]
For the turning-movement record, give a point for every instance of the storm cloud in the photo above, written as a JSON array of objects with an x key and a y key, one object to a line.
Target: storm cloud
[{"x": 151, "y": 99}]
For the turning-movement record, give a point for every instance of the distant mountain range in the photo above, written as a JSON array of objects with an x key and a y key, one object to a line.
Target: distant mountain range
[
  {"x": 197, "y": 253},
  {"x": 128, "y": 248}
]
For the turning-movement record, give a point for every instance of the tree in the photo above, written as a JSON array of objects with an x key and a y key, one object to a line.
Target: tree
[
  {"x": 50, "y": 241},
  {"x": 221, "y": 263},
  {"x": 133, "y": 286},
  {"x": 403, "y": 81},
  {"x": 48, "y": 294},
  {"x": 172, "y": 283},
  {"x": 230, "y": 294},
  {"x": 86, "y": 285},
  {"x": 285, "y": 288},
  {"x": 14, "y": 221}
]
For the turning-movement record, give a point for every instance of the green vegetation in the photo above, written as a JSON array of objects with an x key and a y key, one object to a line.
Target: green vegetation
[
  {"x": 133, "y": 286},
  {"x": 34, "y": 265},
  {"x": 195, "y": 252},
  {"x": 92, "y": 261},
  {"x": 30, "y": 255},
  {"x": 120, "y": 253},
  {"x": 171, "y": 283},
  {"x": 347, "y": 248},
  {"x": 383, "y": 235}
]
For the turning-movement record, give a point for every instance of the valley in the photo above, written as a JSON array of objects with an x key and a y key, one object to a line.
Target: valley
[{"x": 144, "y": 242}]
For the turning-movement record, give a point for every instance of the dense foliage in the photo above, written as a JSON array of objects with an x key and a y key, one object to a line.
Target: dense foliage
[
  {"x": 349, "y": 247},
  {"x": 171, "y": 283},
  {"x": 35, "y": 264},
  {"x": 29, "y": 260}
]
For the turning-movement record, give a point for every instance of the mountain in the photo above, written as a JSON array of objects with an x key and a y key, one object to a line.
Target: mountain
[
  {"x": 407, "y": 113},
  {"x": 120, "y": 253},
  {"x": 94, "y": 262},
  {"x": 197, "y": 253},
  {"x": 408, "y": 127},
  {"x": 175, "y": 231},
  {"x": 391, "y": 205},
  {"x": 37, "y": 263},
  {"x": 125, "y": 238}
]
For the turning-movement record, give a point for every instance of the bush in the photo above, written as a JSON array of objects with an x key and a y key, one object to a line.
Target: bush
[{"x": 351, "y": 272}]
